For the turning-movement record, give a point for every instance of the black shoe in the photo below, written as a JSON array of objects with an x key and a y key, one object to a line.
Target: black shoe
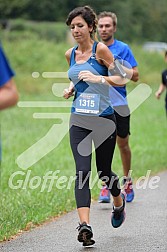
[
  {"x": 85, "y": 234},
  {"x": 88, "y": 243},
  {"x": 118, "y": 215}
]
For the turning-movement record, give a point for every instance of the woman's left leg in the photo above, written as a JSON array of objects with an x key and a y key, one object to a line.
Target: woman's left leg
[{"x": 104, "y": 156}]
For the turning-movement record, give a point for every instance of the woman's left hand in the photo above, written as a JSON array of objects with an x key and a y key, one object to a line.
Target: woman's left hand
[{"x": 87, "y": 76}]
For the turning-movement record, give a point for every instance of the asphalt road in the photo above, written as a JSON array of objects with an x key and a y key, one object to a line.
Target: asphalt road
[{"x": 145, "y": 227}]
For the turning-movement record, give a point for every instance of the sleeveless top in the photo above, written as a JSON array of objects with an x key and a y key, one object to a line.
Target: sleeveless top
[{"x": 90, "y": 98}]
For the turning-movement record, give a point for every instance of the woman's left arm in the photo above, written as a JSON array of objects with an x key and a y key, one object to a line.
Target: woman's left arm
[{"x": 104, "y": 57}]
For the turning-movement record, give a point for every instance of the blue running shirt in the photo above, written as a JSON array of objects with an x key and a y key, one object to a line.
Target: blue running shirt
[
  {"x": 120, "y": 50},
  {"x": 6, "y": 73}
]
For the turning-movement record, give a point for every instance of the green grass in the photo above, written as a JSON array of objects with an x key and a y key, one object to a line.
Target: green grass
[{"x": 24, "y": 207}]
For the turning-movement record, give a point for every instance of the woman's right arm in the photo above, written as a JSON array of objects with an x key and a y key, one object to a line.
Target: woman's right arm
[
  {"x": 68, "y": 92},
  {"x": 68, "y": 55}
]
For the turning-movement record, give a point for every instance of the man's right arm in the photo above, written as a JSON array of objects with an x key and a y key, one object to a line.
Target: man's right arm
[
  {"x": 8, "y": 94},
  {"x": 132, "y": 61},
  {"x": 135, "y": 76}
]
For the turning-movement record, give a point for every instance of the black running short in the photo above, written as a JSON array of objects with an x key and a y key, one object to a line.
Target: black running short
[{"x": 122, "y": 114}]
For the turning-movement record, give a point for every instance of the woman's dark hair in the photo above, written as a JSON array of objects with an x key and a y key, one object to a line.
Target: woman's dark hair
[{"x": 88, "y": 14}]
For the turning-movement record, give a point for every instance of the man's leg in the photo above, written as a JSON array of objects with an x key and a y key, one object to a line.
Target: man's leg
[
  {"x": 125, "y": 152},
  {"x": 123, "y": 133}
]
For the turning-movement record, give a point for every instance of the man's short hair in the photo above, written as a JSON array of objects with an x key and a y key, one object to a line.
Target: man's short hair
[{"x": 112, "y": 15}]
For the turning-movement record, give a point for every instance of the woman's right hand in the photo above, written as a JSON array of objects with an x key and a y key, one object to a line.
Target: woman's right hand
[{"x": 67, "y": 93}]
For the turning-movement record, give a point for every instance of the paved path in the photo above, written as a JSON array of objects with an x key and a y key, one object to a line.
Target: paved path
[{"x": 145, "y": 228}]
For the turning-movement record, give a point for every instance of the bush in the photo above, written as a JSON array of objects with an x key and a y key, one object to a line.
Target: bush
[{"x": 42, "y": 30}]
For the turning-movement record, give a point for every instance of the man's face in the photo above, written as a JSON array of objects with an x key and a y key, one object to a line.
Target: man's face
[{"x": 106, "y": 28}]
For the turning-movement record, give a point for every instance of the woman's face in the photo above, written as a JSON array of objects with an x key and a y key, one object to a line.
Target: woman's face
[{"x": 80, "y": 29}]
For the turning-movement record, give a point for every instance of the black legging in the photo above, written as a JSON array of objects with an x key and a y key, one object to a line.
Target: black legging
[{"x": 99, "y": 130}]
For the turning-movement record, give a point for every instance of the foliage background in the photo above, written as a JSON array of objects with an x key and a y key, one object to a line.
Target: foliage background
[{"x": 137, "y": 20}]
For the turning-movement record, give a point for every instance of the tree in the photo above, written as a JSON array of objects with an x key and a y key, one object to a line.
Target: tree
[
  {"x": 12, "y": 9},
  {"x": 137, "y": 20}
]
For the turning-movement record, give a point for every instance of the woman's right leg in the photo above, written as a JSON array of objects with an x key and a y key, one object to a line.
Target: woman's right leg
[{"x": 83, "y": 169}]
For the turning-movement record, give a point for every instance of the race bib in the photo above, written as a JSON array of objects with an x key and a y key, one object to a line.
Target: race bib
[{"x": 87, "y": 103}]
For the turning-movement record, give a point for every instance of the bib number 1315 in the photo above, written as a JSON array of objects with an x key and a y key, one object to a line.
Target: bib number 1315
[{"x": 88, "y": 103}]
